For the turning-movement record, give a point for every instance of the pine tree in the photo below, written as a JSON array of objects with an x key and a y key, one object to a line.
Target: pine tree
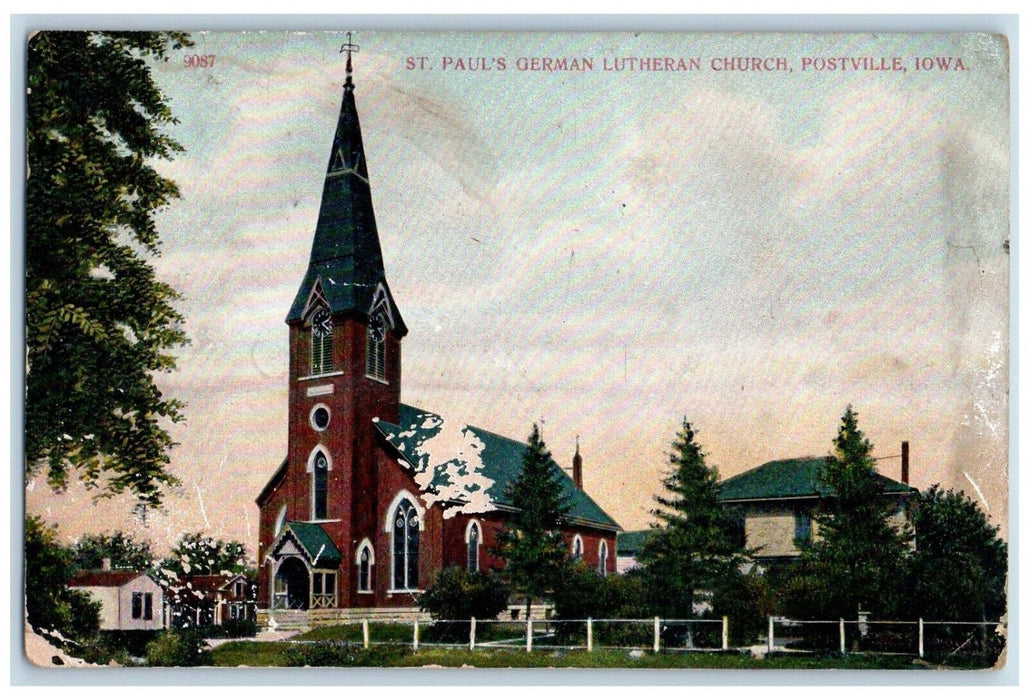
[
  {"x": 859, "y": 556},
  {"x": 98, "y": 324},
  {"x": 530, "y": 542},
  {"x": 959, "y": 568},
  {"x": 693, "y": 545}
]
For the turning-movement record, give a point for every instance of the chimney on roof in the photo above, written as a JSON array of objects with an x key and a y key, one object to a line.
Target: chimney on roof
[
  {"x": 577, "y": 466},
  {"x": 105, "y": 564},
  {"x": 905, "y": 472}
]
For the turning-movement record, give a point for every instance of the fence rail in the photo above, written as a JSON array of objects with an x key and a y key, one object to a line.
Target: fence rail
[{"x": 940, "y": 640}]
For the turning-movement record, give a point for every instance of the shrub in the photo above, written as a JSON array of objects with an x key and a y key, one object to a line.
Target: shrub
[
  {"x": 341, "y": 654},
  {"x": 178, "y": 648},
  {"x": 458, "y": 595}
]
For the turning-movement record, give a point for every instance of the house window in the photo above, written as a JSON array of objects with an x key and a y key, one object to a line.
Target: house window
[
  {"x": 321, "y": 487},
  {"x": 148, "y": 606},
  {"x": 577, "y": 548},
  {"x": 405, "y": 547},
  {"x": 137, "y": 606},
  {"x": 321, "y": 342},
  {"x": 473, "y": 547},
  {"x": 364, "y": 572},
  {"x": 240, "y": 589},
  {"x": 602, "y": 559},
  {"x": 801, "y": 528}
]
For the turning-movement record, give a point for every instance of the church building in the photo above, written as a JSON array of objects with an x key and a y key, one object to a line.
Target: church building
[{"x": 375, "y": 496}]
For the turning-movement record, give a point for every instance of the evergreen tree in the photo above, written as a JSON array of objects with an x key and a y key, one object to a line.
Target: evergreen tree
[
  {"x": 858, "y": 558},
  {"x": 530, "y": 542},
  {"x": 98, "y": 324},
  {"x": 959, "y": 568},
  {"x": 693, "y": 545}
]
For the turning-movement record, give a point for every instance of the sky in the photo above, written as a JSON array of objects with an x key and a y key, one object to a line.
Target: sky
[{"x": 602, "y": 252}]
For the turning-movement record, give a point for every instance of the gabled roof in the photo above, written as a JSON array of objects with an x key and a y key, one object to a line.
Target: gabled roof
[
  {"x": 104, "y": 579},
  {"x": 790, "y": 478},
  {"x": 315, "y": 543},
  {"x": 468, "y": 470},
  {"x": 273, "y": 483},
  {"x": 346, "y": 257},
  {"x": 631, "y": 543}
]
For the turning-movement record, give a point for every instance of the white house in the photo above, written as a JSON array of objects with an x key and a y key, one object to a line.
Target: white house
[{"x": 130, "y": 600}]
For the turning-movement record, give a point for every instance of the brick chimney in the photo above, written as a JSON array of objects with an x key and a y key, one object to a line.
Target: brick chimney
[
  {"x": 905, "y": 471},
  {"x": 577, "y": 466}
]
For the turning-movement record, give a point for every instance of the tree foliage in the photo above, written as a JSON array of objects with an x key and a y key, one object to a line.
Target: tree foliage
[
  {"x": 122, "y": 549},
  {"x": 958, "y": 570},
  {"x": 530, "y": 542},
  {"x": 693, "y": 545},
  {"x": 99, "y": 325},
  {"x": 200, "y": 554},
  {"x": 49, "y": 604},
  {"x": 857, "y": 562},
  {"x": 456, "y": 596}
]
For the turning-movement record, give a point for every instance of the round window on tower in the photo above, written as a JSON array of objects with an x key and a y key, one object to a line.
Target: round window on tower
[{"x": 320, "y": 417}]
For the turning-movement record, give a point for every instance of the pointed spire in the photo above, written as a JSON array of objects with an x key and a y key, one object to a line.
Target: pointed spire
[
  {"x": 346, "y": 257},
  {"x": 577, "y": 466}
]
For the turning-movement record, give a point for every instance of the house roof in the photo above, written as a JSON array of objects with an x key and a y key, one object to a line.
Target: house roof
[
  {"x": 631, "y": 543},
  {"x": 315, "y": 542},
  {"x": 103, "y": 579},
  {"x": 790, "y": 478},
  {"x": 468, "y": 470}
]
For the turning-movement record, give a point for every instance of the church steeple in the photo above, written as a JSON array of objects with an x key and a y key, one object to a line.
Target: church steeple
[{"x": 346, "y": 258}]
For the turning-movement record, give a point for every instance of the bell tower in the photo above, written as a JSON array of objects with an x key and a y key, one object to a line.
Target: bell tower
[{"x": 345, "y": 335}]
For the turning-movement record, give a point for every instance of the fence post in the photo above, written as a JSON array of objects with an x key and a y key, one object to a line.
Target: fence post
[
  {"x": 921, "y": 639},
  {"x": 471, "y": 635},
  {"x": 725, "y": 632},
  {"x": 364, "y": 631},
  {"x": 528, "y": 634},
  {"x": 843, "y": 638},
  {"x": 657, "y": 634},
  {"x": 589, "y": 634},
  {"x": 771, "y": 633},
  {"x": 415, "y": 634}
]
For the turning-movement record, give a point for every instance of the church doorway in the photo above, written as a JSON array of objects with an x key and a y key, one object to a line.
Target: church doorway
[{"x": 292, "y": 585}]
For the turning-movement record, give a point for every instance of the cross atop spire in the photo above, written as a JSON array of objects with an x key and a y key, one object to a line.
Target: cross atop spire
[{"x": 351, "y": 48}]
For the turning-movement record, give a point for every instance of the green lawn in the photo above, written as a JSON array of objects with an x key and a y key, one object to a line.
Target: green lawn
[{"x": 255, "y": 654}]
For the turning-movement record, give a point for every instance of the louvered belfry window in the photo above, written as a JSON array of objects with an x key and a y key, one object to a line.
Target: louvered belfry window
[
  {"x": 321, "y": 342},
  {"x": 375, "y": 360}
]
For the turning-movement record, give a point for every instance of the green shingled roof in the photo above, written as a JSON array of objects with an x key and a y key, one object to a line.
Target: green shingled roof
[
  {"x": 316, "y": 543},
  {"x": 630, "y": 544},
  {"x": 346, "y": 258},
  {"x": 789, "y": 478},
  {"x": 470, "y": 468}
]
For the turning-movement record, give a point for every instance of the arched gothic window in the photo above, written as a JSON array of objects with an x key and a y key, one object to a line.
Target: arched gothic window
[
  {"x": 577, "y": 548},
  {"x": 405, "y": 547},
  {"x": 320, "y": 501},
  {"x": 365, "y": 559},
  {"x": 602, "y": 563},
  {"x": 473, "y": 546}
]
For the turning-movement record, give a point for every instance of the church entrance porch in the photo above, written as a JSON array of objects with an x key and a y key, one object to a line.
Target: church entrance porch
[
  {"x": 292, "y": 585},
  {"x": 302, "y": 565}
]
